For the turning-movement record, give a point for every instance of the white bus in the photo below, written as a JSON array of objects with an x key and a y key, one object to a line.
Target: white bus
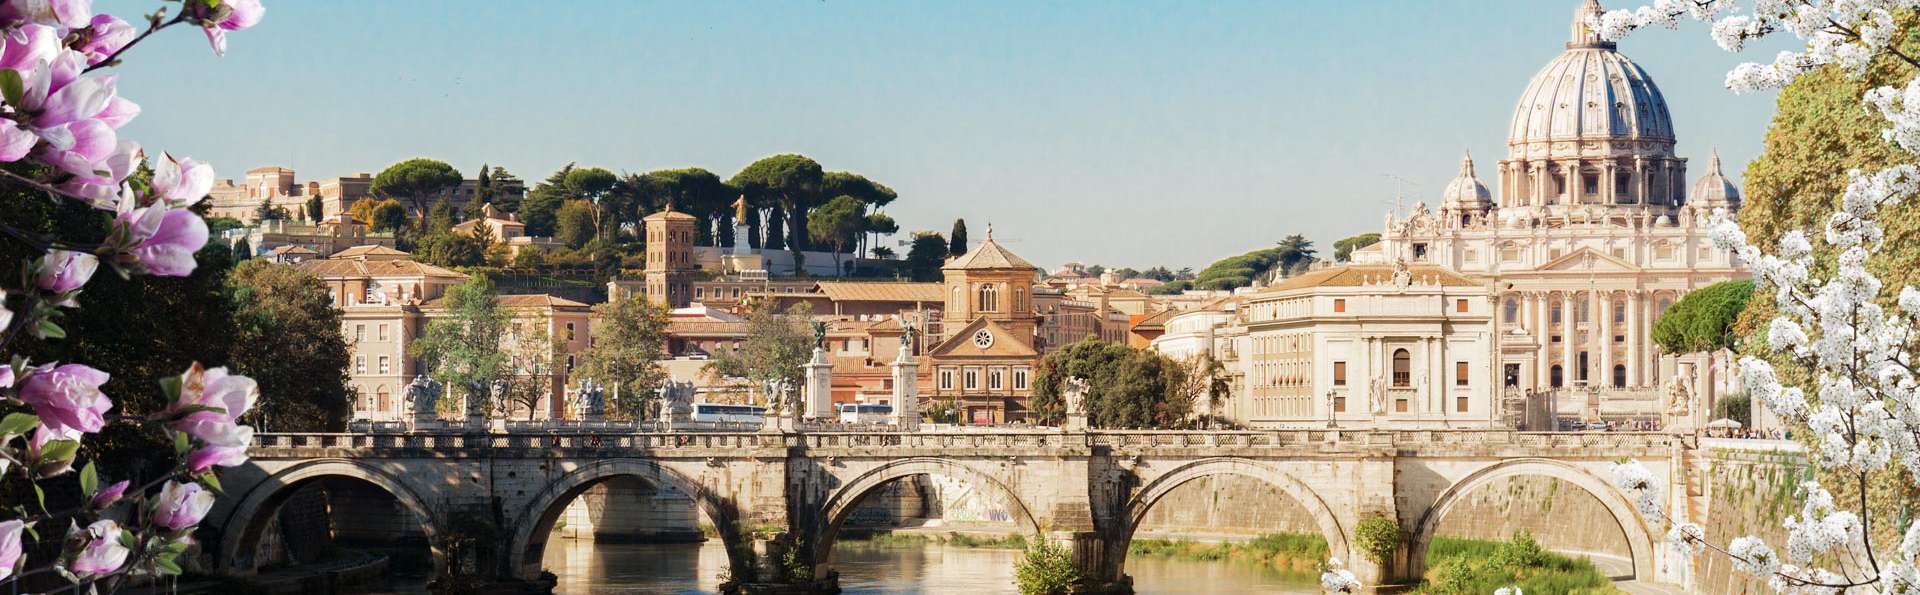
[
  {"x": 851, "y": 413},
  {"x": 715, "y": 412}
]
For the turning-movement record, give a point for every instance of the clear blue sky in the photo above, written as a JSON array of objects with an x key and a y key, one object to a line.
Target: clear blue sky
[{"x": 1120, "y": 133}]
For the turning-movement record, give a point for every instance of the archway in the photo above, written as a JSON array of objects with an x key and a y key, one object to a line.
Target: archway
[
  {"x": 1324, "y": 519},
  {"x": 1618, "y": 509},
  {"x": 261, "y": 506},
  {"x": 533, "y": 526},
  {"x": 840, "y": 505}
]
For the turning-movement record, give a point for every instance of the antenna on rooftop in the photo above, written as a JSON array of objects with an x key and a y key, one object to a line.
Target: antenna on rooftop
[{"x": 1399, "y": 199}]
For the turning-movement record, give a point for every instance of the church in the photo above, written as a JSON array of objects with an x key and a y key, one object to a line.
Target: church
[{"x": 1593, "y": 234}]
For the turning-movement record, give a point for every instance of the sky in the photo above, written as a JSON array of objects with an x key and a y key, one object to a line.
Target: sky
[{"x": 1119, "y": 133}]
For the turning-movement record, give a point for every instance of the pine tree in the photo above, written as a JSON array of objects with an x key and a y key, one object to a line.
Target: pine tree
[{"x": 957, "y": 239}]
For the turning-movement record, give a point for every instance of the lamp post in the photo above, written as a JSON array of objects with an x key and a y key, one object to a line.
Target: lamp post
[{"x": 1330, "y": 397}]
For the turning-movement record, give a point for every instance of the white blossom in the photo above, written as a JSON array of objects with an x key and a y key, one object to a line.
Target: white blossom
[
  {"x": 1753, "y": 556},
  {"x": 1687, "y": 539}
]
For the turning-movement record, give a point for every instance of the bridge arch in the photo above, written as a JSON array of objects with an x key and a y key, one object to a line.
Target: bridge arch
[
  {"x": 240, "y": 537},
  {"x": 532, "y": 525},
  {"x": 842, "y": 502},
  {"x": 1150, "y": 494},
  {"x": 1621, "y": 508}
]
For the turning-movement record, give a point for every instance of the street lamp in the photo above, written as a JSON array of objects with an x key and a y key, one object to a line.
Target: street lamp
[{"x": 1330, "y": 397}]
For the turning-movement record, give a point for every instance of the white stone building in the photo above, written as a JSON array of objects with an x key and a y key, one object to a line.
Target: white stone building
[{"x": 1594, "y": 234}]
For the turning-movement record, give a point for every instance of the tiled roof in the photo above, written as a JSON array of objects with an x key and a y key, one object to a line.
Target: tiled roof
[
  {"x": 988, "y": 255},
  {"x": 537, "y": 300},
  {"x": 1357, "y": 275},
  {"x": 668, "y": 214},
  {"x": 689, "y": 327},
  {"x": 368, "y": 250},
  {"x": 881, "y": 291},
  {"x": 341, "y": 268},
  {"x": 291, "y": 249}
]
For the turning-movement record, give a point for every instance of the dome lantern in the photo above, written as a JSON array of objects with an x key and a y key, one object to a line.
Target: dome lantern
[
  {"x": 1713, "y": 190},
  {"x": 1465, "y": 193}
]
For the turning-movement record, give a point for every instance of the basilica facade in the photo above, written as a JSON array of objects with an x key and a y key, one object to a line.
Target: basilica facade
[{"x": 1592, "y": 234}]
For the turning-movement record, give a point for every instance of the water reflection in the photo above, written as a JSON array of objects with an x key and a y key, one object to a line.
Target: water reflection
[{"x": 586, "y": 567}]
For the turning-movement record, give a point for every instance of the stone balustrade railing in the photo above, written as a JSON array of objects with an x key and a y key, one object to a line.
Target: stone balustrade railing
[{"x": 630, "y": 437}]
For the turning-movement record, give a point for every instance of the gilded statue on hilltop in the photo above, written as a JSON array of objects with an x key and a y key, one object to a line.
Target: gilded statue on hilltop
[{"x": 740, "y": 210}]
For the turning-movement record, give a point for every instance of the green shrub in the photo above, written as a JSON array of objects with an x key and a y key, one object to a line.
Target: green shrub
[
  {"x": 1378, "y": 537},
  {"x": 1045, "y": 569}
]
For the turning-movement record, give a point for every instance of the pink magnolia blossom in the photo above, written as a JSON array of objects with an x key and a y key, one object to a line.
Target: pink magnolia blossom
[
  {"x": 62, "y": 271},
  {"x": 162, "y": 240},
  {"x": 110, "y": 494},
  {"x": 183, "y": 181},
  {"x": 10, "y": 547},
  {"x": 103, "y": 553},
  {"x": 64, "y": 13},
  {"x": 67, "y": 397},
  {"x": 181, "y": 505},
  {"x": 242, "y": 14},
  {"x": 15, "y": 142},
  {"x": 6, "y": 372},
  {"x": 75, "y": 100},
  {"x": 206, "y": 457},
  {"x": 29, "y": 46},
  {"x": 43, "y": 435},
  {"x": 109, "y": 34},
  {"x": 101, "y": 187},
  {"x": 118, "y": 112}
]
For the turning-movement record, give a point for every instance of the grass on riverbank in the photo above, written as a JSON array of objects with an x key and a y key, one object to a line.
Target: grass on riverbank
[
  {"x": 1286, "y": 552},
  {"x": 952, "y": 538},
  {"x": 1479, "y": 566}
]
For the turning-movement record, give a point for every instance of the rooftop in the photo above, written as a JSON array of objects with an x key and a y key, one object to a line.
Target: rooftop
[{"x": 881, "y": 291}]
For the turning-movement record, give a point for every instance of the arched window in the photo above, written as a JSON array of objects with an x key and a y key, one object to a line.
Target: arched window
[
  {"x": 1402, "y": 368},
  {"x": 1619, "y": 310},
  {"x": 1665, "y": 302},
  {"x": 1511, "y": 310},
  {"x": 1619, "y": 376},
  {"x": 1558, "y": 381},
  {"x": 1580, "y": 308},
  {"x": 989, "y": 298}
]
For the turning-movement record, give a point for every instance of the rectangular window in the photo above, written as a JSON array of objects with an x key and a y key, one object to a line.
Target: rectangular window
[
  {"x": 569, "y": 363},
  {"x": 1339, "y": 305},
  {"x": 946, "y": 380},
  {"x": 970, "y": 379},
  {"x": 1019, "y": 379},
  {"x": 1459, "y": 373},
  {"x": 1340, "y": 404},
  {"x": 383, "y": 331},
  {"x": 1339, "y": 373},
  {"x": 1460, "y": 305},
  {"x": 359, "y": 333},
  {"x": 1556, "y": 313},
  {"x": 699, "y": 293},
  {"x": 385, "y": 368},
  {"x": 569, "y": 332},
  {"x": 994, "y": 378},
  {"x": 1399, "y": 405},
  {"x": 1556, "y": 338},
  {"x": 1460, "y": 404},
  {"x": 359, "y": 364}
]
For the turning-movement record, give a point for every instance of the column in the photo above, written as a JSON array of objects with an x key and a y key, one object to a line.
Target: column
[
  {"x": 1606, "y": 339},
  {"x": 1567, "y": 336},
  {"x": 1542, "y": 380},
  {"x": 1593, "y": 337},
  {"x": 1576, "y": 186},
  {"x": 1608, "y": 187},
  {"x": 1633, "y": 338},
  {"x": 1640, "y": 180},
  {"x": 1538, "y": 171},
  {"x": 1360, "y": 379},
  {"x": 1444, "y": 377}
]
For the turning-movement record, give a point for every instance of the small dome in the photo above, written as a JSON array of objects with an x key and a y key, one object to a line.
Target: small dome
[
  {"x": 1465, "y": 192},
  {"x": 1590, "y": 91},
  {"x": 1714, "y": 190}
]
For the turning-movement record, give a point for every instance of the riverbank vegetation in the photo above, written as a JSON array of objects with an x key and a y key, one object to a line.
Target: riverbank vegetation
[
  {"x": 1461, "y": 566},
  {"x": 1285, "y": 552},
  {"x": 952, "y": 538}
]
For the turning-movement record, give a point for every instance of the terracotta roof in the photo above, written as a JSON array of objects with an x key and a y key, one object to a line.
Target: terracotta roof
[
  {"x": 1157, "y": 318},
  {"x": 1357, "y": 275},
  {"x": 369, "y": 250},
  {"x": 702, "y": 327},
  {"x": 537, "y": 300},
  {"x": 988, "y": 255},
  {"x": 668, "y": 214},
  {"x": 1124, "y": 293},
  {"x": 341, "y": 268},
  {"x": 291, "y": 249},
  {"x": 881, "y": 291}
]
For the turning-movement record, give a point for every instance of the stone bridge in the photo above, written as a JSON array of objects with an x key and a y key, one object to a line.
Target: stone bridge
[{"x": 772, "y": 492}]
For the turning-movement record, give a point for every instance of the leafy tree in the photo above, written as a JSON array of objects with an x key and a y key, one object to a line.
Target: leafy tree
[
  {"x": 287, "y": 338},
  {"x": 417, "y": 181},
  {"x": 530, "y": 257},
  {"x": 1096, "y": 270},
  {"x": 451, "y": 250},
  {"x": 1293, "y": 254},
  {"x": 838, "y": 223},
  {"x": 440, "y": 218},
  {"x": 362, "y": 210},
  {"x": 574, "y": 223},
  {"x": 883, "y": 253},
  {"x": 388, "y": 215},
  {"x": 316, "y": 210},
  {"x": 629, "y": 341},
  {"x": 879, "y": 224},
  {"x": 528, "y": 377},
  {"x": 541, "y": 204},
  {"x": 694, "y": 191},
  {"x": 1296, "y": 252},
  {"x": 1045, "y": 568},
  {"x": 787, "y": 182},
  {"x": 1343, "y": 249},
  {"x": 957, "y": 242},
  {"x": 462, "y": 349},
  {"x": 242, "y": 250},
  {"x": 595, "y": 186},
  {"x": 215, "y": 225},
  {"x": 1126, "y": 388},
  {"x": 1703, "y": 319},
  {"x": 501, "y": 190},
  {"x": 777, "y": 344},
  {"x": 268, "y": 212},
  {"x": 925, "y": 255},
  {"x": 1125, "y": 273},
  {"x": 1158, "y": 274},
  {"x": 776, "y": 231}
]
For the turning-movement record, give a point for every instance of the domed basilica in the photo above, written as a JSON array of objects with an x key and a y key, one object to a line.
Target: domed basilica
[{"x": 1594, "y": 233}]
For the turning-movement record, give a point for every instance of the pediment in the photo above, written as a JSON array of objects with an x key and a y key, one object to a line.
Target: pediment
[
  {"x": 1587, "y": 260},
  {"x": 965, "y": 343}
]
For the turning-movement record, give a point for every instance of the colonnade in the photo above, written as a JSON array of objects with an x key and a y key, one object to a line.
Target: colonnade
[{"x": 1568, "y": 323}]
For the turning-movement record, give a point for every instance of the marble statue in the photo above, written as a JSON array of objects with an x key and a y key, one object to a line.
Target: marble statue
[
  {"x": 590, "y": 400},
  {"x": 1679, "y": 401},
  {"x": 424, "y": 393},
  {"x": 1379, "y": 395}
]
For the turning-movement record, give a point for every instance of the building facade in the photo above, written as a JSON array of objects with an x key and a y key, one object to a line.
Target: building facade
[{"x": 985, "y": 360}]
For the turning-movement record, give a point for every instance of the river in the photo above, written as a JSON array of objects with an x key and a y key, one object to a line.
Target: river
[{"x": 586, "y": 567}]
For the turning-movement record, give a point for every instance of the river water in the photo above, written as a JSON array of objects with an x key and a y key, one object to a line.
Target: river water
[{"x": 586, "y": 567}]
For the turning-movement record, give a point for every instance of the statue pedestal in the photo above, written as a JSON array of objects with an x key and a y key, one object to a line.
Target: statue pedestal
[
  {"x": 906, "y": 392},
  {"x": 818, "y": 396},
  {"x": 427, "y": 421}
]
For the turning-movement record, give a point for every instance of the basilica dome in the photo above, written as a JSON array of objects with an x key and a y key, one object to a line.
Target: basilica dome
[
  {"x": 1465, "y": 192},
  {"x": 1714, "y": 190},
  {"x": 1590, "y": 92}
]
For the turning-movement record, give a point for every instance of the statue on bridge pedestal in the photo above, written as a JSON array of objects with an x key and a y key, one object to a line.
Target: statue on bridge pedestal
[
  {"x": 478, "y": 395},
  {"x": 590, "y": 401},
  {"x": 677, "y": 401},
  {"x": 1074, "y": 395},
  {"x": 1679, "y": 404},
  {"x": 424, "y": 394}
]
